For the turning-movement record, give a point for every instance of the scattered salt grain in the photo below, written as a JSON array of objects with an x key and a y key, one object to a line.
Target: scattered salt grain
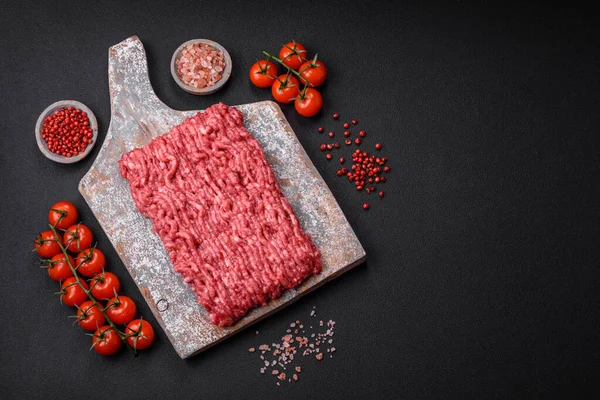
[{"x": 280, "y": 355}]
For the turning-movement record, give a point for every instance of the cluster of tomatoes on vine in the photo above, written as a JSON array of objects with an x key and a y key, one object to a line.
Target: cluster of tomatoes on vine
[
  {"x": 101, "y": 286},
  {"x": 299, "y": 81}
]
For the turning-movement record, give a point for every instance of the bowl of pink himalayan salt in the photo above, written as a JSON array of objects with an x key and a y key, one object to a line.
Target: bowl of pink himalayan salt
[{"x": 201, "y": 66}]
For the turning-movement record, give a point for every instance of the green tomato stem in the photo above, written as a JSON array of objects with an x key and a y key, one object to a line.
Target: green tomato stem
[
  {"x": 89, "y": 293},
  {"x": 293, "y": 71}
]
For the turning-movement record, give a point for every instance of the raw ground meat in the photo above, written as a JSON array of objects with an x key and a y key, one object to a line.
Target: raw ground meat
[{"x": 213, "y": 199}]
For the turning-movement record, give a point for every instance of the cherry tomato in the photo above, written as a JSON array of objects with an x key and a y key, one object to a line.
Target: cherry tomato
[
  {"x": 314, "y": 71},
  {"x": 142, "y": 334},
  {"x": 72, "y": 294},
  {"x": 62, "y": 215},
  {"x": 46, "y": 244},
  {"x": 309, "y": 103},
  {"x": 58, "y": 268},
  {"x": 77, "y": 238},
  {"x": 263, "y": 73},
  {"x": 285, "y": 89},
  {"x": 104, "y": 286},
  {"x": 89, "y": 317},
  {"x": 90, "y": 262},
  {"x": 106, "y": 341},
  {"x": 121, "y": 310},
  {"x": 293, "y": 54}
]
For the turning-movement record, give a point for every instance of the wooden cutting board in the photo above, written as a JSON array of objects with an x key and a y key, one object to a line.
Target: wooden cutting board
[{"x": 137, "y": 116}]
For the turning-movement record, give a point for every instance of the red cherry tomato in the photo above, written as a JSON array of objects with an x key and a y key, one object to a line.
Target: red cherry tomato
[
  {"x": 285, "y": 89},
  {"x": 309, "y": 103},
  {"x": 62, "y": 215},
  {"x": 89, "y": 317},
  {"x": 58, "y": 268},
  {"x": 106, "y": 341},
  {"x": 46, "y": 244},
  {"x": 104, "y": 286},
  {"x": 314, "y": 71},
  {"x": 77, "y": 238},
  {"x": 263, "y": 73},
  {"x": 90, "y": 262},
  {"x": 121, "y": 310},
  {"x": 142, "y": 334},
  {"x": 293, "y": 54},
  {"x": 72, "y": 294}
]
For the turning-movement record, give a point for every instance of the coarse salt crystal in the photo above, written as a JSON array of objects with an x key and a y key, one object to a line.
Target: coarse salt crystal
[{"x": 196, "y": 56}]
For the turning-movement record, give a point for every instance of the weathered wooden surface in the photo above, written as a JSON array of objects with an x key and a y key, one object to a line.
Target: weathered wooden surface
[{"x": 137, "y": 117}]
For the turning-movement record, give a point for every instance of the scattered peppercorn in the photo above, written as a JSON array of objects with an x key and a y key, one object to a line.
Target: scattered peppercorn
[
  {"x": 366, "y": 169},
  {"x": 321, "y": 129}
]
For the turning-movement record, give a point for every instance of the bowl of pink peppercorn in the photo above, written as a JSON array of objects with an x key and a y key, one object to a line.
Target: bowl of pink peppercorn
[
  {"x": 66, "y": 131},
  {"x": 201, "y": 66}
]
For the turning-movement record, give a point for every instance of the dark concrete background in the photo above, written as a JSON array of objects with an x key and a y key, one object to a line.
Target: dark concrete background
[{"x": 483, "y": 259}]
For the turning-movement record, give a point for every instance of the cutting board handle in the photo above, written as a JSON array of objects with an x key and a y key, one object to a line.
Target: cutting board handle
[{"x": 129, "y": 83}]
